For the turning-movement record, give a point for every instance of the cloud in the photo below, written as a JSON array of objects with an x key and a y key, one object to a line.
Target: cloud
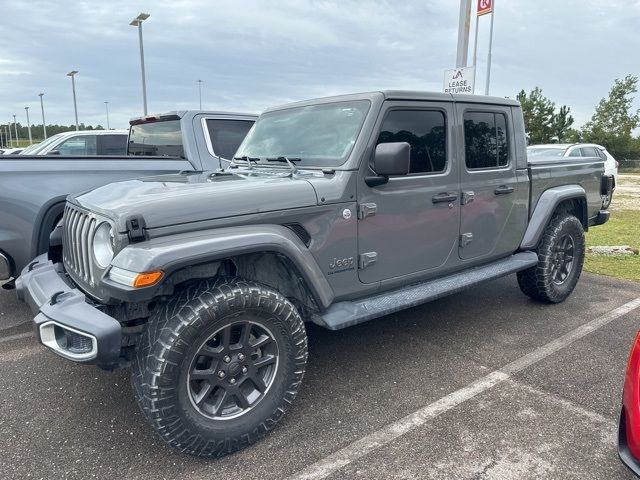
[{"x": 252, "y": 54}]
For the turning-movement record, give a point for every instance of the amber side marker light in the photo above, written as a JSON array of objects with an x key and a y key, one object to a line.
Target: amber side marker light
[{"x": 147, "y": 279}]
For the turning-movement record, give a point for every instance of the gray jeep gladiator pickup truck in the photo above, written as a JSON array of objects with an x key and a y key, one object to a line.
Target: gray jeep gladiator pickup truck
[
  {"x": 33, "y": 189},
  {"x": 334, "y": 211}
]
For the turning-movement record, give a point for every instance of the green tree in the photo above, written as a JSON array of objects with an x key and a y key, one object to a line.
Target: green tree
[
  {"x": 539, "y": 114},
  {"x": 614, "y": 120},
  {"x": 561, "y": 125}
]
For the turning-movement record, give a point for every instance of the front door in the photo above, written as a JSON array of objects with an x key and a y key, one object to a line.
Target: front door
[
  {"x": 494, "y": 194},
  {"x": 410, "y": 224}
]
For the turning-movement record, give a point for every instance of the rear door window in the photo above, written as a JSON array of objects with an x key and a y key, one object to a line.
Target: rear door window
[
  {"x": 113, "y": 144},
  {"x": 576, "y": 152},
  {"x": 227, "y": 135},
  {"x": 485, "y": 140},
  {"x": 590, "y": 152}
]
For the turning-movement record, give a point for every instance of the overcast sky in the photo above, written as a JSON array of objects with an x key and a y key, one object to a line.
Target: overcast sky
[{"x": 252, "y": 54}]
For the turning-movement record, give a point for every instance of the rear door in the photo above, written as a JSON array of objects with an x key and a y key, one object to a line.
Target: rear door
[
  {"x": 494, "y": 201},
  {"x": 410, "y": 224}
]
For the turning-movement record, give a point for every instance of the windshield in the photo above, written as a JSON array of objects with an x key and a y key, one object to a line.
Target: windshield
[
  {"x": 162, "y": 139},
  {"x": 29, "y": 149},
  {"x": 42, "y": 145},
  {"x": 545, "y": 152},
  {"x": 316, "y": 135}
]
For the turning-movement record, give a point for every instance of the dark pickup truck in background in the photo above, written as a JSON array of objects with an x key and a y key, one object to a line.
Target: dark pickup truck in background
[{"x": 33, "y": 189}]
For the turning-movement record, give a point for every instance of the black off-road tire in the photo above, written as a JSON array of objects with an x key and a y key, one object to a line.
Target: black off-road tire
[
  {"x": 174, "y": 340},
  {"x": 541, "y": 282}
]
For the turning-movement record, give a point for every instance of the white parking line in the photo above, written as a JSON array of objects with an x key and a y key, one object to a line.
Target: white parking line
[
  {"x": 337, "y": 460},
  {"x": 10, "y": 338}
]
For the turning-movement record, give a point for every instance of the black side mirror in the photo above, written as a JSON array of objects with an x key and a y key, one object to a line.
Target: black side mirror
[
  {"x": 389, "y": 159},
  {"x": 53, "y": 152}
]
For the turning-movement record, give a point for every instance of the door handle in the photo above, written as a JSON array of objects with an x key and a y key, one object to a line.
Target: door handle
[
  {"x": 444, "y": 197},
  {"x": 503, "y": 190}
]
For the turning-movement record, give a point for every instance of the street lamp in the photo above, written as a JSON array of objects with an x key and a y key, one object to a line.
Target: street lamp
[
  {"x": 106, "y": 105},
  {"x": 137, "y": 22},
  {"x": 10, "y": 140},
  {"x": 72, "y": 74},
  {"x": 44, "y": 126},
  {"x": 26, "y": 109},
  {"x": 15, "y": 127},
  {"x": 200, "y": 92}
]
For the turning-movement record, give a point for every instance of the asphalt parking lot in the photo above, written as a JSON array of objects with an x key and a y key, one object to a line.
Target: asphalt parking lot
[{"x": 485, "y": 384}]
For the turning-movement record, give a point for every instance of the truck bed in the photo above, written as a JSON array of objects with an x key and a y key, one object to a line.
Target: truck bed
[
  {"x": 33, "y": 190},
  {"x": 546, "y": 173}
]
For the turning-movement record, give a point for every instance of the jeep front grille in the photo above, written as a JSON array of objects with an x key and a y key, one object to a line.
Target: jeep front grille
[{"x": 78, "y": 229}]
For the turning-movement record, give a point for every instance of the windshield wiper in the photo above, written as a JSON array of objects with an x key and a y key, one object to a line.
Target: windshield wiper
[
  {"x": 288, "y": 160},
  {"x": 247, "y": 159}
]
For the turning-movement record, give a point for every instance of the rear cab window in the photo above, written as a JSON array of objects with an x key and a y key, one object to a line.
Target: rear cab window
[
  {"x": 227, "y": 135},
  {"x": 161, "y": 138}
]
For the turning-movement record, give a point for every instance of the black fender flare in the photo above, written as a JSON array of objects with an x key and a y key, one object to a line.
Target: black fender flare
[
  {"x": 544, "y": 209},
  {"x": 174, "y": 252}
]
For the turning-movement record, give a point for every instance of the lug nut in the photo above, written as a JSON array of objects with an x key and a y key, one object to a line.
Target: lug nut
[
  {"x": 221, "y": 374},
  {"x": 244, "y": 369},
  {"x": 232, "y": 381},
  {"x": 226, "y": 359},
  {"x": 241, "y": 357}
]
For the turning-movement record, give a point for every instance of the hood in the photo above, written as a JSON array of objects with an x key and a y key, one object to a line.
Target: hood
[{"x": 195, "y": 196}]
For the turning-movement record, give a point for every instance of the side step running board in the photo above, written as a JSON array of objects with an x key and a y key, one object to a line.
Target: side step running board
[{"x": 346, "y": 314}]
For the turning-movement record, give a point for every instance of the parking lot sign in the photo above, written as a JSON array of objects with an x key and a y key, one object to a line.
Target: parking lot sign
[
  {"x": 485, "y": 6},
  {"x": 459, "y": 80}
]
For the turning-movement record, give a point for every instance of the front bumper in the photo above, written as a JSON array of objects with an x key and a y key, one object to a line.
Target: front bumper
[{"x": 65, "y": 321}]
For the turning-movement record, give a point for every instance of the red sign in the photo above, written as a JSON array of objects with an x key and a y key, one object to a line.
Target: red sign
[{"x": 485, "y": 6}]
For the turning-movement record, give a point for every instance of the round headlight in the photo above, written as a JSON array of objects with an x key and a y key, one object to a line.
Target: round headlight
[{"x": 103, "y": 245}]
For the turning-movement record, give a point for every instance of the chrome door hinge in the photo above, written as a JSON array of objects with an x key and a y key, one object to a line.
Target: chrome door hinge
[
  {"x": 366, "y": 259},
  {"x": 467, "y": 197},
  {"x": 466, "y": 239},
  {"x": 366, "y": 210}
]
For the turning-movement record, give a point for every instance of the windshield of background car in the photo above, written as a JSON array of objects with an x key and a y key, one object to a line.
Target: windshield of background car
[
  {"x": 43, "y": 145},
  {"x": 545, "y": 152},
  {"x": 161, "y": 139},
  {"x": 319, "y": 135}
]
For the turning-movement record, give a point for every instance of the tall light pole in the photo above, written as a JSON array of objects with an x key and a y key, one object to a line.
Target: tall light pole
[
  {"x": 10, "y": 140},
  {"x": 464, "y": 23},
  {"x": 106, "y": 105},
  {"x": 44, "y": 126},
  {"x": 200, "y": 92},
  {"x": 26, "y": 109},
  {"x": 137, "y": 22},
  {"x": 15, "y": 127},
  {"x": 72, "y": 74},
  {"x": 493, "y": 14}
]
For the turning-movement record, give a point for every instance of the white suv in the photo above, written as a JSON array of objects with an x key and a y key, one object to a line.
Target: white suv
[
  {"x": 84, "y": 143},
  {"x": 579, "y": 150}
]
